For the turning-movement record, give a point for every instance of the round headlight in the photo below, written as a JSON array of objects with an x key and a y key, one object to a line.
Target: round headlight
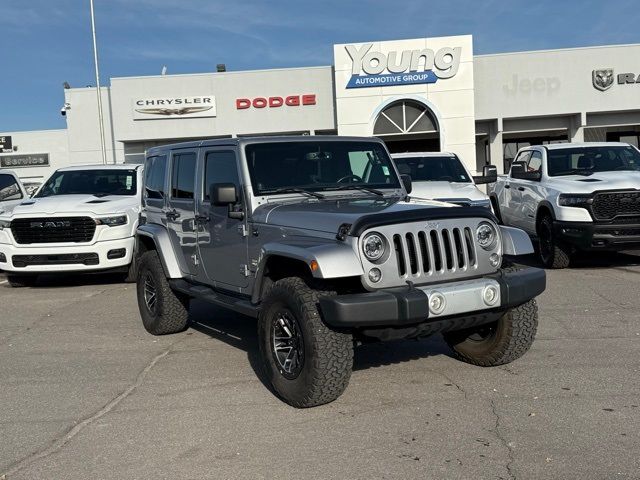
[
  {"x": 486, "y": 235},
  {"x": 373, "y": 246}
]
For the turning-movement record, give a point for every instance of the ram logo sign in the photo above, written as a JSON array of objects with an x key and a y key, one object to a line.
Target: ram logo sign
[
  {"x": 407, "y": 67},
  {"x": 602, "y": 79}
]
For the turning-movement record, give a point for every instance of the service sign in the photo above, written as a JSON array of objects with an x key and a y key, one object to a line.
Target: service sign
[
  {"x": 173, "y": 107},
  {"x": 371, "y": 68},
  {"x": 5, "y": 143},
  {"x": 25, "y": 160}
]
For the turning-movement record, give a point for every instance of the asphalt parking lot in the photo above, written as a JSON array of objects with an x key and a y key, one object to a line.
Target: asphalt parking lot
[{"x": 85, "y": 392}]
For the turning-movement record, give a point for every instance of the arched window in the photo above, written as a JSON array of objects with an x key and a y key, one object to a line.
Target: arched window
[{"x": 405, "y": 117}]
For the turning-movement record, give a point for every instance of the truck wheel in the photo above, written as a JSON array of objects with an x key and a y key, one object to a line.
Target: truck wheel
[
  {"x": 162, "y": 310},
  {"x": 499, "y": 342},
  {"x": 20, "y": 281},
  {"x": 306, "y": 362},
  {"x": 552, "y": 253}
]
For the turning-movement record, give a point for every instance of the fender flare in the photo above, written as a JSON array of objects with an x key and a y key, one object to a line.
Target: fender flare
[
  {"x": 335, "y": 260},
  {"x": 160, "y": 237},
  {"x": 547, "y": 204}
]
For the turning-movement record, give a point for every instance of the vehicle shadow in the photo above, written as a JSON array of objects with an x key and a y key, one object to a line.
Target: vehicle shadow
[
  {"x": 584, "y": 260},
  {"x": 78, "y": 280},
  {"x": 240, "y": 332}
]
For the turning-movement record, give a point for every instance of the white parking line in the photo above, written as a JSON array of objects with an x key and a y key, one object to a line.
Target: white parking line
[{"x": 4, "y": 281}]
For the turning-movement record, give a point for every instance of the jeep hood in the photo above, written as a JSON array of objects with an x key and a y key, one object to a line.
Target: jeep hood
[
  {"x": 327, "y": 215},
  {"x": 447, "y": 191},
  {"x": 72, "y": 204},
  {"x": 598, "y": 181}
]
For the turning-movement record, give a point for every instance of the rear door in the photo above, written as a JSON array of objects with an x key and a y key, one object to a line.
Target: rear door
[
  {"x": 222, "y": 241},
  {"x": 180, "y": 207}
]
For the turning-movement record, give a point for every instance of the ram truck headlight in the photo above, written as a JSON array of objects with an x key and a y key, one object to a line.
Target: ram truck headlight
[
  {"x": 486, "y": 235},
  {"x": 114, "y": 221},
  {"x": 575, "y": 200},
  {"x": 4, "y": 224},
  {"x": 373, "y": 246}
]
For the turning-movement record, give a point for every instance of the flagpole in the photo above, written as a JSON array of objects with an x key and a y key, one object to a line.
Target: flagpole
[{"x": 99, "y": 94}]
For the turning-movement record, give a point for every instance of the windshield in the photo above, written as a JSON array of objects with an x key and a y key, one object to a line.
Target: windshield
[
  {"x": 90, "y": 182},
  {"x": 588, "y": 160},
  {"x": 443, "y": 168},
  {"x": 9, "y": 188},
  {"x": 319, "y": 166}
]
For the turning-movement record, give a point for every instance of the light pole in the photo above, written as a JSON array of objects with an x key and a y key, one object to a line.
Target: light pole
[{"x": 95, "y": 61}]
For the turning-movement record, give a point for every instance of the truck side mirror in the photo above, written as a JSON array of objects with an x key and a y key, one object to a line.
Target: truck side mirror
[
  {"x": 517, "y": 169},
  {"x": 406, "y": 181},
  {"x": 518, "y": 172},
  {"x": 223, "y": 194},
  {"x": 489, "y": 175}
]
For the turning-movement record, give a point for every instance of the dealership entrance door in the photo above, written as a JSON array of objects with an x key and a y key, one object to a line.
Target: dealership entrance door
[{"x": 408, "y": 126}]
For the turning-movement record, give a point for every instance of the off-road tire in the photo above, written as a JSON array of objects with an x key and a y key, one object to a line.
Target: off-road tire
[
  {"x": 328, "y": 354},
  {"x": 171, "y": 312},
  {"x": 554, "y": 255},
  {"x": 21, "y": 281},
  {"x": 508, "y": 338}
]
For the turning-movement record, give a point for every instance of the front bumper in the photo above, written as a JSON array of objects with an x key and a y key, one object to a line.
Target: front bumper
[
  {"x": 72, "y": 258},
  {"x": 598, "y": 236},
  {"x": 398, "y": 307}
]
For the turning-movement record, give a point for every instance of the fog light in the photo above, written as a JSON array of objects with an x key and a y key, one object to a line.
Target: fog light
[
  {"x": 116, "y": 253},
  {"x": 437, "y": 303},
  {"x": 3, "y": 259},
  {"x": 494, "y": 259},
  {"x": 490, "y": 295},
  {"x": 375, "y": 275}
]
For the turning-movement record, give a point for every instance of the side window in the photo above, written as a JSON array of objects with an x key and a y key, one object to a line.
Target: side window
[
  {"x": 9, "y": 188},
  {"x": 220, "y": 167},
  {"x": 154, "y": 176},
  {"x": 183, "y": 171},
  {"x": 535, "y": 162}
]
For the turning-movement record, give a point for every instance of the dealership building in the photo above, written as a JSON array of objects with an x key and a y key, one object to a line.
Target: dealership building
[{"x": 425, "y": 94}]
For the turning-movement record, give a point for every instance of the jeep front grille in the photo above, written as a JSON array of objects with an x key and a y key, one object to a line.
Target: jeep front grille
[
  {"x": 53, "y": 230},
  {"x": 609, "y": 205},
  {"x": 429, "y": 252},
  {"x": 433, "y": 251}
]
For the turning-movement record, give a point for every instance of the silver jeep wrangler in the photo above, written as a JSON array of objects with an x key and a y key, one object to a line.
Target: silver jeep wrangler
[{"x": 318, "y": 239}]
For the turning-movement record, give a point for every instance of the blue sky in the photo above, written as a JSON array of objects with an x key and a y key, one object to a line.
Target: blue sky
[{"x": 46, "y": 42}]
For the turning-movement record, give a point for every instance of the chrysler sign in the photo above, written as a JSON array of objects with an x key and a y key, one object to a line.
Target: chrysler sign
[
  {"x": 371, "y": 68},
  {"x": 173, "y": 107}
]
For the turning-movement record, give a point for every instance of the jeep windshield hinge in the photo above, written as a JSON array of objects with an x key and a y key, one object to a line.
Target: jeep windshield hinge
[
  {"x": 242, "y": 230},
  {"x": 244, "y": 270}
]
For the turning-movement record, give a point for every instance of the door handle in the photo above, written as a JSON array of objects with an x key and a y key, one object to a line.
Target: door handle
[
  {"x": 173, "y": 214},
  {"x": 521, "y": 189},
  {"x": 202, "y": 218},
  {"x": 507, "y": 186}
]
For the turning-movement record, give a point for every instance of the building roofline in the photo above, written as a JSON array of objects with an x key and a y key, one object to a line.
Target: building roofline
[
  {"x": 551, "y": 50},
  {"x": 234, "y": 72},
  {"x": 49, "y": 130}
]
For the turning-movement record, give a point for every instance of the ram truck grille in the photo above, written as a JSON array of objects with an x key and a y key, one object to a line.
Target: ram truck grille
[
  {"x": 53, "y": 230},
  {"x": 609, "y": 205}
]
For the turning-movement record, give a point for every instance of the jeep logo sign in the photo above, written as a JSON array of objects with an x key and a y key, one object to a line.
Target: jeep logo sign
[{"x": 407, "y": 67}]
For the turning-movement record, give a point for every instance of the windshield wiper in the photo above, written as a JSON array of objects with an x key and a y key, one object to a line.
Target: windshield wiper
[
  {"x": 295, "y": 190},
  {"x": 362, "y": 188}
]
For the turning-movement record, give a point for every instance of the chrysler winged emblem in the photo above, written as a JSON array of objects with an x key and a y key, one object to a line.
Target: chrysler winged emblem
[
  {"x": 603, "y": 79},
  {"x": 172, "y": 111}
]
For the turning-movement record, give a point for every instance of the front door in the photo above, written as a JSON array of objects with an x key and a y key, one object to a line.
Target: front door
[
  {"x": 511, "y": 210},
  {"x": 180, "y": 208},
  {"x": 222, "y": 241}
]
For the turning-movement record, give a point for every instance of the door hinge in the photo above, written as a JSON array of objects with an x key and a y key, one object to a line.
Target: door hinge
[
  {"x": 194, "y": 257},
  {"x": 244, "y": 270},
  {"x": 242, "y": 230}
]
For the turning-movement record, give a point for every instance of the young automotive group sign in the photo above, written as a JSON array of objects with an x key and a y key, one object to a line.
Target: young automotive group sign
[{"x": 371, "y": 68}]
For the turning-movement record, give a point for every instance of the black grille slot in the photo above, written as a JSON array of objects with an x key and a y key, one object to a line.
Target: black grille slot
[
  {"x": 468, "y": 241},
  {"x": 411, "y": 253},
  {"x": 437, "y": 253},
  {"x": 448, "y": 252},
  {"x": 609, "y": 205},
  {"x": 459, "y": 249},
  {"x": 424, "y": 251},
  {"x": 53, "y": 230},
  {"x": 62, "y": 259},
  {"x": 402, "y": 266}
]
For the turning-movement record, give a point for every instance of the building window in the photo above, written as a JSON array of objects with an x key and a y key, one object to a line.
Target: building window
[{"x": 403, "y": 117}]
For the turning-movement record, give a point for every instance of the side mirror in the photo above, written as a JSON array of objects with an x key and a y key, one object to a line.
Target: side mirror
[
  {"x": 223, "y": 194},
  {"x": 518, "y": 172},
  {"x": 406, "y": 181},
  {"x": 489, "y": 175}
]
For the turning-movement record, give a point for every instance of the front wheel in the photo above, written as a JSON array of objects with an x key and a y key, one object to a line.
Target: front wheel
[
  {"x": 552, "y": 253},
  {"x": 163, "y": 311},
  {"x": 499, "y": 342},
  {"x": 306, "y": 362}
]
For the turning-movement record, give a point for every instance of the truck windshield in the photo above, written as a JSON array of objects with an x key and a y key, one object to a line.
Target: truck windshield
[
  {"x": 279, "y": 167},
  {"x": 9, "y": 188},
  {"x": 589, "y": 160},
  {"x": 445, "y": 168},
  {"x": 100, "y": 183}
]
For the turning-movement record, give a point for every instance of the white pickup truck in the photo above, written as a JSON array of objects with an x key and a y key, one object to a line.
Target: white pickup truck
[
  {"x": 82, "y": 219},
  {"x": 442, "y": 176},
  {"x": 573, "y": 196}
]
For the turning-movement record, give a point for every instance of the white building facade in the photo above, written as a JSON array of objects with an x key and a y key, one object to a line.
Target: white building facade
[{"x": 426, "y": 94}]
